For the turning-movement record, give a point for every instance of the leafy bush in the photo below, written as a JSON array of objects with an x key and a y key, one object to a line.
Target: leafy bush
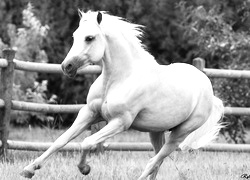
[
  {"x": 35, "y": 94},
  {"x": 28, "y": 41},
  {"x": 216, "y": 40}
]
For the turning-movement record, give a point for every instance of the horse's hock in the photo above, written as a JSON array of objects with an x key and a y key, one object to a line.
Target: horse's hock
[{"x": 7, "y": 66}]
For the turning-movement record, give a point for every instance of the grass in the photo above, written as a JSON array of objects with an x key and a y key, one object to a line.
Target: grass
[{"x": 196, "y": 165}]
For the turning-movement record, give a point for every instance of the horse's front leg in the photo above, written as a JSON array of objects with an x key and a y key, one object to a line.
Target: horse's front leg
[
  {"x": 83, "y": 167},
  {"x": 83, "y": 121},
  {"x": 115, "y": 126}
]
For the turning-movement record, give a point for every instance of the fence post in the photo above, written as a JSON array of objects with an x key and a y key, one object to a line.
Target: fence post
[
  {"x": 199, "y": 63},
  {"x": 6, "y": 84}
]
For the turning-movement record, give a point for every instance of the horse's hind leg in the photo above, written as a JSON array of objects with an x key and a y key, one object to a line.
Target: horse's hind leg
[
  {"x": 178, "y": 134},
  {"x": 83, "y": 167},
  {"x": 157, "y": 140}
]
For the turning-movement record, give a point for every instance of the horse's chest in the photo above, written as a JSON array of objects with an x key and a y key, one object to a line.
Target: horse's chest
[
  {"x": 101, "y": 107},
  {"x": 113, "y": 105},
  {"x": 113, "y": 100}
]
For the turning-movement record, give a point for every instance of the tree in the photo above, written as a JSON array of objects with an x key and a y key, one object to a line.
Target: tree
[
  {"x": 217, "y": 39},
  {"x": 27, "y": 43}
]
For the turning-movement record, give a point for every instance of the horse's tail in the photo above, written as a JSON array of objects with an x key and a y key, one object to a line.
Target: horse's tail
[{"x": 208, "y": 131}]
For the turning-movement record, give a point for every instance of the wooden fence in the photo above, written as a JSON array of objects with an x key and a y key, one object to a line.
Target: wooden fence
[{"x": 7, "y": 66}]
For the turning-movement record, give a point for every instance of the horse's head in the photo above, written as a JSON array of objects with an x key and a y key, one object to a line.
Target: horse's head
[{"x": 89, "y": 44}]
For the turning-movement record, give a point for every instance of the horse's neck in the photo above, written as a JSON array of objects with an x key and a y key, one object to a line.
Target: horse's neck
[
  {"x": 121, "y": 59},
  {"x": 118, "y": 60}
]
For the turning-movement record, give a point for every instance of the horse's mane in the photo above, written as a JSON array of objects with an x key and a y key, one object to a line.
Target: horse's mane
[{"x": 132, "y": 32}]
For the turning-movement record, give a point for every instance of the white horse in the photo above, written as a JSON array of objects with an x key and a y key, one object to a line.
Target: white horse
[{"x": 133, "y": 91}]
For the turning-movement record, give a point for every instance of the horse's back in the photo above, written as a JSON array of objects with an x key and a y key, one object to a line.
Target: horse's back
[
  {"x": 183, "y": 79},
  {"x": 182, "y": 72}
]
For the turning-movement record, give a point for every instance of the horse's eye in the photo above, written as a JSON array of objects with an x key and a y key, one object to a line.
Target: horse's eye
[{"x": 89, "y": 38}]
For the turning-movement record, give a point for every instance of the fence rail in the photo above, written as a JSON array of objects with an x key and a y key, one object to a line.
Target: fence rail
[
  {"x": 74, "y": 108},
  {"x": 226, "y": 73},
  {"x": 46, "y": 68},
  {"x": 7, "y": 66},
  {"x": 236, "y": 111},
  {"x": 46, "y": 108},
  {"x": 120, "y": 146}
]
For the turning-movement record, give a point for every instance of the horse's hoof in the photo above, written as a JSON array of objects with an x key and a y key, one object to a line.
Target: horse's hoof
[
  {"x": 84, "y": 169},
  {"x": 27, "y": 174}
]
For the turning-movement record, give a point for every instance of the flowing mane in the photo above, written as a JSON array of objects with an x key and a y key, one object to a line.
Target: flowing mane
[{"x": 132, "y": 32}]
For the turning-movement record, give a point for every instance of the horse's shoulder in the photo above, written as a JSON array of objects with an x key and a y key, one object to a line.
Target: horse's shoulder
[{"x": 124, "y": 97}]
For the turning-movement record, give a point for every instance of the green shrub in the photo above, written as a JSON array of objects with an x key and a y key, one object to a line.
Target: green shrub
[
  {"x": 223, "y": 46},
  {"x": 28, "y": 42}
]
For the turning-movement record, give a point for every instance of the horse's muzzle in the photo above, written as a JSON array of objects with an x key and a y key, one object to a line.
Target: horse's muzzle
[{"x": 69, "y": 69}]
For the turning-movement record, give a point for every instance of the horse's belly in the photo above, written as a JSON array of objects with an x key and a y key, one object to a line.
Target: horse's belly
[
  {"x": 148, "y": 126},
  {"x": 161, "y": 119}
]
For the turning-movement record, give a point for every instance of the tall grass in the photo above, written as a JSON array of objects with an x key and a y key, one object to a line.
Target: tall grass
[{"x": 196, "y": 165}]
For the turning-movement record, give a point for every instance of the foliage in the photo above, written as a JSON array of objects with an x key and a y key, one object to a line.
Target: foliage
[
  {"x": 175, "y": 31},
  {"x": 222, "y": 46},
  {"x": 27, "y": 41},
  {"x": 35, "y": 94}
]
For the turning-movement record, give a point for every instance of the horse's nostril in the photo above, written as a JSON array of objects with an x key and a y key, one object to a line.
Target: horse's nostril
[{"x": 69, "y": 67}]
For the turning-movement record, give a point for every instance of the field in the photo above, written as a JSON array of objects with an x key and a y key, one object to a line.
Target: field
[{"x": 194, "y": 165}]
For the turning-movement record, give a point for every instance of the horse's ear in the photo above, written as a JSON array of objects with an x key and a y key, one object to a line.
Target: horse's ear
[{"x": 99, "y": 17}]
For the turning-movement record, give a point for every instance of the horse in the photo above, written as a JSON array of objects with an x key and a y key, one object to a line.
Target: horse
[{"x": 133, "y": 91}]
